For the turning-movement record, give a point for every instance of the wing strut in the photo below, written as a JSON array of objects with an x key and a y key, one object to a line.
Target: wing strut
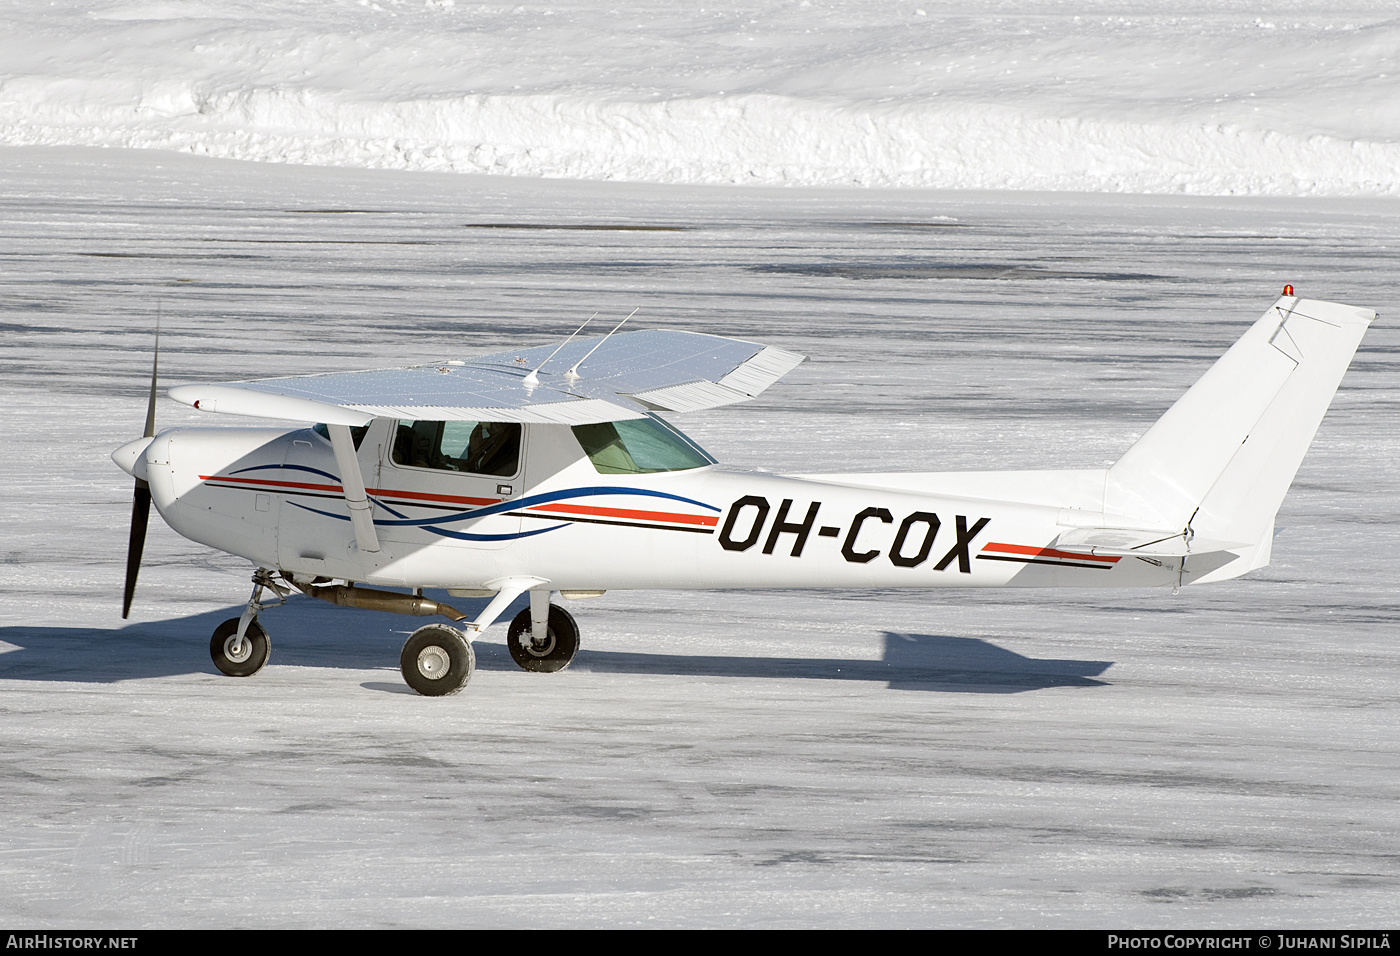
[{"x": 361, "y": 513}]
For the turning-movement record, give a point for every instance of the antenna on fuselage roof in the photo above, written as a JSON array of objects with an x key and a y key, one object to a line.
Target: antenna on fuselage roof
[
  {"x": 533, "y": 379},
  {"x": 572, "y": 374}
]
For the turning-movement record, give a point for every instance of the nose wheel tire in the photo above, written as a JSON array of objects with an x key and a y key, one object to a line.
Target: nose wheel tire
[
  {"x": 437, "y": 660},
  {"x": 235, "y": 658},
  {"x": 554, "y": 652}
]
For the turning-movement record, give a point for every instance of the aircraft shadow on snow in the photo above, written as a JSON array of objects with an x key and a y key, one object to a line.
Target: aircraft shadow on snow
[{"x": 308, "y": 634}]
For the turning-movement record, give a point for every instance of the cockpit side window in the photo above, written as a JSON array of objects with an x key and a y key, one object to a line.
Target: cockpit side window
[
  {"x": 639, "y": 447},
  {"x": 480, "y": 448}
]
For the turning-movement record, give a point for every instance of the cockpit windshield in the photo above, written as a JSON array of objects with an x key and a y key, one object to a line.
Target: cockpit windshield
[{"x": 639, "y": 447}]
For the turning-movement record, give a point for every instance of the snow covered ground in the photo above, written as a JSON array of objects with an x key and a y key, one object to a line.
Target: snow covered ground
[
  {"x": 1280, "y": 97},
  {"x": 1223, "y": 757}
]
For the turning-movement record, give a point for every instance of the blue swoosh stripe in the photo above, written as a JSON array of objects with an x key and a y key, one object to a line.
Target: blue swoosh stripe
[
  {"x": 431, "y": 524},
  {"x": 532, "y": 500},
  {"x": 462, "y": 535},
  {"x": 504, "y": 506}
]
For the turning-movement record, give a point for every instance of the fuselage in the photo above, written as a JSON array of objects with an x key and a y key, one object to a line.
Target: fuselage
[{"x": 560, "y": 513}]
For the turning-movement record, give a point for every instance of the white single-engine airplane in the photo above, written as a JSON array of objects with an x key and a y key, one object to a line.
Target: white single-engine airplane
[{"x": 548, "y": 469}]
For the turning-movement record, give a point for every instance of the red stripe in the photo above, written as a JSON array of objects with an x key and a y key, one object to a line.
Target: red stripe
[
  {"x": 1046, "y": 552},
  {"x": 278, "y": 484},
  {"x": 424, "y": 496},
  {"x": 706, "y": 520}
]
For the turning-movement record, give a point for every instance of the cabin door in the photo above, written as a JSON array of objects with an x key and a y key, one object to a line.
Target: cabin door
[{"x": 450, "y": 481}]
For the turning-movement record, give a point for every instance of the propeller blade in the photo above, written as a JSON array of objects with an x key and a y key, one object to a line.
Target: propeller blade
[
  {"x": 141, "y": 499},
  {"x": 155, "y": 364},
  {"x": 140, "y": 514}
]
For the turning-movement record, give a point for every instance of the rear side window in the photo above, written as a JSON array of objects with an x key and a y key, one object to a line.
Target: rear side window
[
  {"x": 357, "y": 433},
  {"x": 639, "y": 447},
  {"x": 480, "y": 448}
]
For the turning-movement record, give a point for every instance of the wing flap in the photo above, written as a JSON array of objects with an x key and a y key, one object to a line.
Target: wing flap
[
  {"x": 690, "y": 397},
  {"x": 584, "y": 412}
]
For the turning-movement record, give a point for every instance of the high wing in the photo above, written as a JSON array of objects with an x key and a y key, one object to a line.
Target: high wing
[{"x": 627, "y": 376}]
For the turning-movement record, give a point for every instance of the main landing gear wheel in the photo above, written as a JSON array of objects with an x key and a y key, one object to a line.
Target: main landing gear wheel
[
  {"x": 239, "y": 659},
  {"x": 552, "y": 653},
  {"x": 437, "y": 660}
]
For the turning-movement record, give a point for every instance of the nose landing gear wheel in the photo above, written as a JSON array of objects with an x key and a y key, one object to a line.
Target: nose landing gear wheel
[
  {"x": 552, "y": 653},
  {"x": 239, "y": 659},
  {"x": 437, "y": 660}
]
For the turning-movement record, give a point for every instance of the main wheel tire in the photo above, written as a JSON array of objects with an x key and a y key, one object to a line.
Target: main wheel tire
[
  {"x": 552, "y": 654},
  {"x": 250, "y": 658},
  {"x": 437, "y": 660}
]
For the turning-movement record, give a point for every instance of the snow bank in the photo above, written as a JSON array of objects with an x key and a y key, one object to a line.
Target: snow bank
[{"x": 987, "y": 96}]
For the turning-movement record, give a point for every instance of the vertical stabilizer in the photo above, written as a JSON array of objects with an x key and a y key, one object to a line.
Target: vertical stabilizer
[{"x": 1219, "y": 462}]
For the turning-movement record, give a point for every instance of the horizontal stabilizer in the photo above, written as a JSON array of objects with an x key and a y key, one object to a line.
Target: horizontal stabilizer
[{"x": 1124, "y": 542}]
